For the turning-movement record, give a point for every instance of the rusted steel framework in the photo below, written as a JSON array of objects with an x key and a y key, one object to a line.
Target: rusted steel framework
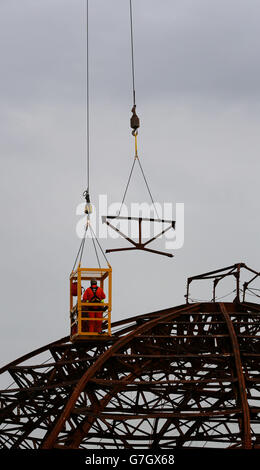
[
  {"x": 186, "y": 376},
  {"x": 233, "y": 271},
  {"x": 140, "y": 244}
]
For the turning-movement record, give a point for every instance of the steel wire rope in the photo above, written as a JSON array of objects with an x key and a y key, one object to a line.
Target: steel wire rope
[
  {"x": 95, "y": 248},
  {"x": 84, "y": 240},
  {"x": 222, "y": 297},
  {"x": 81, "y": 248},
  {"x": 252, "y": 294},
  {"x": 134, "y": 104},
  {"x": 132, "y": 48},
  {"x": 217, "y": 298},
  {"x": 127, "y": 186},
  {"x": 100, "y": 247},
  {"x": 146, "y": 183},
  {"x": 77, "y": 255},
  {"x": 87, "y": 100},
  {"x": 87, "y": 192},
  {"x": 149, "y": 191}
]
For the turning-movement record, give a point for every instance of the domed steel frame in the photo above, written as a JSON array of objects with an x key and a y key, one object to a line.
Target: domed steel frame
[{"x": 186, "y": 376}]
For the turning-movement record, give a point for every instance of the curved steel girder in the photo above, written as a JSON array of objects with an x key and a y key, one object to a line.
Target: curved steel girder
[
  {"x": 26, "y": 357},
  {"x": 20, "y": 399},
  {"x": 22, "y": 395},
  {"x": 86, "y": 425},
  {"x": 66, "y": 339},
  {"x": 246, "y": 438},
  {"x": 33, "y": 353},
  {"x": 196, "y": 424},
  {"x": 50, "y": 439},
  {"x": 127, "y": 325}
]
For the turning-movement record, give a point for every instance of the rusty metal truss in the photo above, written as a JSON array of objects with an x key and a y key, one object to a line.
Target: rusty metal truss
[
  {"x": 218, "y": 275},
  {"x": 141, "y": 244},
  {"x": 186, "y": 376}
]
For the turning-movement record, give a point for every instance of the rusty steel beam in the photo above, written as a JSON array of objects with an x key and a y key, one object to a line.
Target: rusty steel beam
[
  {"x": 50, "y": 440},
  {"x": 167, "y": 379},
  {"x": 172, "y": 415},
  {"x": 140, "y": 245},
  {"x": 241, "y": 380},
  {"x": 31, "y": 354}
]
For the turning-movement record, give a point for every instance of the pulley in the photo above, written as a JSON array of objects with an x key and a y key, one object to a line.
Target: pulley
[
  {"x": 134, "y": 121},
  {"x": 88, "y": 206},
  {"x": 141, "y": 244}
]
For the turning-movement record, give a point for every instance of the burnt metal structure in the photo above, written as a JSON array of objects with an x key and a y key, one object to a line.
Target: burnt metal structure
[{"x": 185, "y": 376}]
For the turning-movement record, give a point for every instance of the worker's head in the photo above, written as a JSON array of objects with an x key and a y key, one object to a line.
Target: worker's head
[{"x": 93, "y": 282}]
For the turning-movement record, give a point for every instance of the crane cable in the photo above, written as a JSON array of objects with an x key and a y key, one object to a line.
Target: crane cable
[
  {"x": 86, "y": 194},
  {"x": 132, "y": 50},
  {"x": 87, "y": 98},
  {"x": 134, "y": 121}
]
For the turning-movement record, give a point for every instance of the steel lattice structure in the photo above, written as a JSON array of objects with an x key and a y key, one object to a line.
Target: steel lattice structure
[{"x": 183, "y": 376}]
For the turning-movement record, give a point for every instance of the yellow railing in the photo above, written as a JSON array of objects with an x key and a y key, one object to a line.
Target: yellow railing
[{"x": 80, "y": 309}]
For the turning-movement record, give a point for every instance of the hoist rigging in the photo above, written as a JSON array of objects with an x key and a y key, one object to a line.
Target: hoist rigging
[
  {"x": 86, "y": 193},
  {"x": 135, "y": 124},
  {"x": 87, "y": 100},
  {"x": 132, "y": 51},
  {"x": 87, "y": 305},
  {"x": 90, "y": 314}
]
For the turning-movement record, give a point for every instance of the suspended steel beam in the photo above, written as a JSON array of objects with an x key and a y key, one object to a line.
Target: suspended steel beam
[{"x": 140, "y": 244}]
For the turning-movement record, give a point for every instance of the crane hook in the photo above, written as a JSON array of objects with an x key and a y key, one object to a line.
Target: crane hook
[
  {"x": 88, "y": 206},
  {"x": 134, "y": 121}
]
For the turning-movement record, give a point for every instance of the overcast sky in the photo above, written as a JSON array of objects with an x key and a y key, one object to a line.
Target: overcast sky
[{"x": 197, "y": 91}]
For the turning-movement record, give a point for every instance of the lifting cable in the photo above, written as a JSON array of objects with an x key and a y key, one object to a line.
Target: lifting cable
[
  {"x": 134, "y": 121},
  {"x": 87, "y": 98},
  {"x": 132, "y": 50},
  {"x": 86, "y": 194},
  {"x": 99, "y": 245},
  {"x": 94, "y": 241},
  {"x": 253, "y": 294},
  {"x": 95, "y": 248},
  {"x": 81, "y": 248}
]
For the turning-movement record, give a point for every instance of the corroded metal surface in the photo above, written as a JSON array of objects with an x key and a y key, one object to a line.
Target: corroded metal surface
[{"x": 184, "y": 376}]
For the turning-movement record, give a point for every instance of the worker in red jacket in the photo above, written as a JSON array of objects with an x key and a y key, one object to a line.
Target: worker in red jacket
[{"x": 94, "y": 294}]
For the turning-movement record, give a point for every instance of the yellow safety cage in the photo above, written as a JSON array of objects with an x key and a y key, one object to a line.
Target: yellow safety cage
[{"x": 80, "y": 309}]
